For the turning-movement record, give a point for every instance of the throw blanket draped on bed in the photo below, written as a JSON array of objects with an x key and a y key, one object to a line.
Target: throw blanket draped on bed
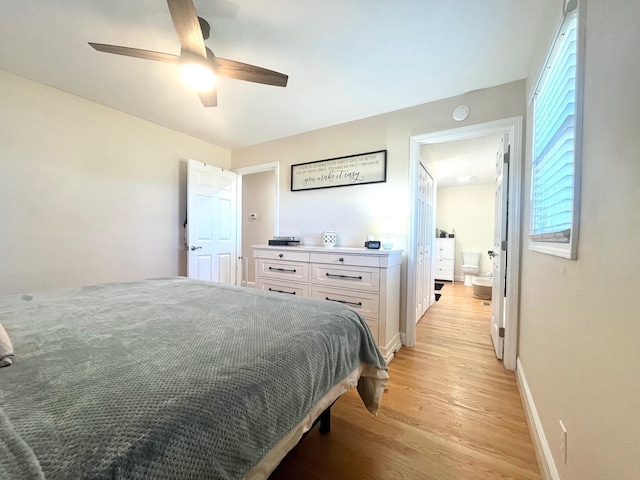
[{"x": 166, "y": 378}]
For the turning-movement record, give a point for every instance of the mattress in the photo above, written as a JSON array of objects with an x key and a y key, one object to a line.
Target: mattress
[{"x": 172, "y": 378}]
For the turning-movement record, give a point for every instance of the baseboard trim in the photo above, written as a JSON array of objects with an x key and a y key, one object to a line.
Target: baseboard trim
[
  {"x": 545, "y": 460},
  {"x": 392, "y": 347}
]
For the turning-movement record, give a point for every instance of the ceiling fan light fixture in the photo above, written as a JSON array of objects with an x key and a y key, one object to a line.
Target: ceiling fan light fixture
[
  {"x": 197, "y": 72},
  {"x": 199, "y": 66},
  {"x": 198, "y": 77}
]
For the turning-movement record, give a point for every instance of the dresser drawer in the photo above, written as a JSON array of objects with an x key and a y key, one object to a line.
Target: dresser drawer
[
  {"x": 366, "y": 304},
  {"x": 444, "y": 264},
  {"x": 360, "y": 278},
  {"x": 297, "y": 289},
  {"x": 341, "y": 259},
  {"x": 443, "y": 270},
  {"x": 289, "y": 255},
  {"x": 288, "y": 271}
]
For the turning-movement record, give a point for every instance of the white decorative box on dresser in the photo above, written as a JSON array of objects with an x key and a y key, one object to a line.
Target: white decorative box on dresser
[
  {"x": 445, "y": 256},
  {"x": 366, "y": 280}
]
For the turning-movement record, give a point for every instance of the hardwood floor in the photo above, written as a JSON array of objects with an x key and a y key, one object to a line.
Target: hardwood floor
[{"x": 450, "y": 411}]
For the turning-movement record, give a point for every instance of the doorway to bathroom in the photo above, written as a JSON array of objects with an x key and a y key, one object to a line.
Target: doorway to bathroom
[
  {"x": 464, "y": 217},
  {"x": 471, "y": 219},
  {"x": 465, "y": 209}
]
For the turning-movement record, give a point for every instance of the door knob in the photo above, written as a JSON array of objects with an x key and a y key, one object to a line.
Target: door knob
[{"x": 193, "y": 247}]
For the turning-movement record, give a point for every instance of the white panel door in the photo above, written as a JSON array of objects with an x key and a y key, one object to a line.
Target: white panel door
[
  {"x": 500, "y": 247},
  {"x": 428, "y": 297},
  {"x": 211, "y": 223},
  {"x": 420, "y": 251},
  {"x": 424, "y": 278}
]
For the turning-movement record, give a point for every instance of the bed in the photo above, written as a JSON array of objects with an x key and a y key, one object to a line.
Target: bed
[{"x": 172, "y": 378}]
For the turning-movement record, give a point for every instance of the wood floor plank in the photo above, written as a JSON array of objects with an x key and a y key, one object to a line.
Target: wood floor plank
[{"x": 450, "y": 411}]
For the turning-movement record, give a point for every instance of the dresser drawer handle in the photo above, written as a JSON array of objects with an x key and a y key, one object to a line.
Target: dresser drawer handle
[
  {"x": 359, "y": 277},
  {"x": 281, "y": 291},
  {"x": 341, "y": 259},
  {"x": 280, "y": 255},
  {"x": 358, "y": 304},
  {"x": 282, "y": 270}
]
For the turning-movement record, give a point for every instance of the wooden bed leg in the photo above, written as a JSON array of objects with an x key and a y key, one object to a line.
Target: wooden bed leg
[{"x": 325, "y": 421}]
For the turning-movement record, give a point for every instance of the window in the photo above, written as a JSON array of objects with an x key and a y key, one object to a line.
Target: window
[{"x": 555, "y": 179}]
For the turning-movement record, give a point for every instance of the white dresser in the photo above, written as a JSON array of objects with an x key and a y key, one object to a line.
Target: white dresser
[
  {"x": 366, "y": 280},
  {"x": 445, "y": 254}
]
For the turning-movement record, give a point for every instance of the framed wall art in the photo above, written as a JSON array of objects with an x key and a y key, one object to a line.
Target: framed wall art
[{"x": 340, "y": 172}]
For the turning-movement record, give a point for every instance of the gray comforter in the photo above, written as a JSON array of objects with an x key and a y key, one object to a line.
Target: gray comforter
[{"x": 165, "y": 378}]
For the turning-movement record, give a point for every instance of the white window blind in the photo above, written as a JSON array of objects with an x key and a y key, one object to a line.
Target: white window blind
[{"x": 554, "y": 141}]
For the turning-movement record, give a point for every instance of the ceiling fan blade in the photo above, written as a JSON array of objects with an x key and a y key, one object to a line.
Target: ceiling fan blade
[
  {"x": 187, "y": 25},
  {"x": 249, "y": 73},
  {"x": 210, "y": 98},
  {"x": 136, "y": 52}
]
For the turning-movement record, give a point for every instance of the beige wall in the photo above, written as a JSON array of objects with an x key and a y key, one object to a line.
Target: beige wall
[
  {"x": 88, "y": 194},
  {"x": 580, "y": 320},
  {"x": 355, "y": 211},
  {"x": 469, "y": 210},
  {"x": 258, "y": 196}
]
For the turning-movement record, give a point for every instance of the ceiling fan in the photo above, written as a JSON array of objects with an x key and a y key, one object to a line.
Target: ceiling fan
[{"x": 199, "y": 66}]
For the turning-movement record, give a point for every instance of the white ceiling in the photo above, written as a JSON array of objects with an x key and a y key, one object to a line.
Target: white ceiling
[
  {"x": 475, "y": 157},
  {"x": 346, "y": 60}
]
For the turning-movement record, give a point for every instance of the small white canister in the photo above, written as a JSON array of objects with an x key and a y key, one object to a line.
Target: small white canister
[{"x": 329, "y": 238}]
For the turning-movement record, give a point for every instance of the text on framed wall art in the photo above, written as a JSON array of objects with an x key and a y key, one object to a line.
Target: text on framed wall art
[{"x": 340, "y": 172}]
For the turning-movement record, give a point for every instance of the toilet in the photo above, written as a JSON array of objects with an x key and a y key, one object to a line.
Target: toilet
[{"x": 470, "y": 266}]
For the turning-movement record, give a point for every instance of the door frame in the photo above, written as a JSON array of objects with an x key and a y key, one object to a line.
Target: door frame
[
  {"x": 512, "y": 126},
  {"x": 264, "y": 167}
]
